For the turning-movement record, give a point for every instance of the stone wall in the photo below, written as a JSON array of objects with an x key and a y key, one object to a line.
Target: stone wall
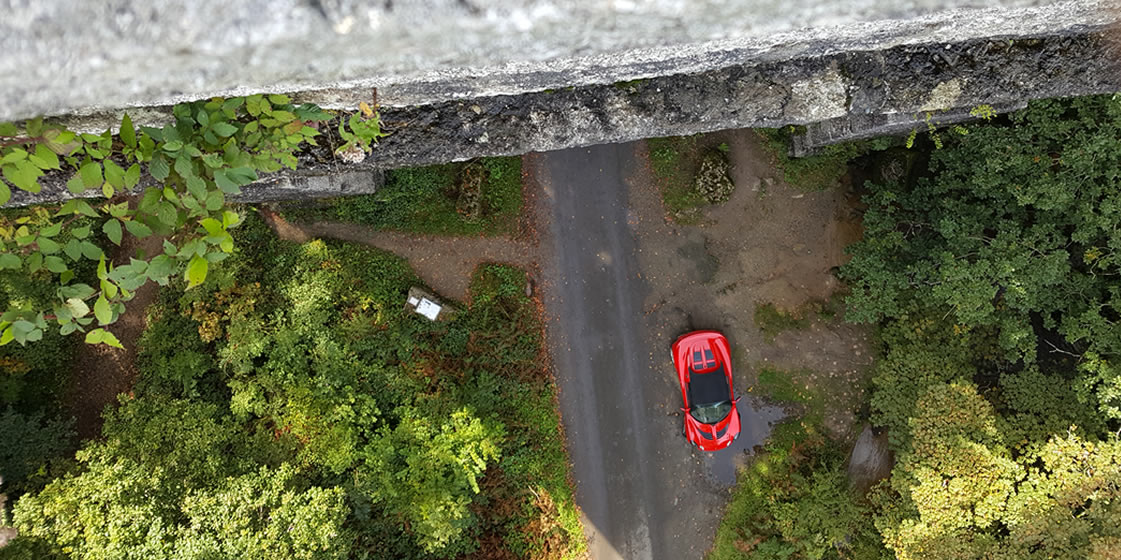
[{"x": 852, "y": 77}]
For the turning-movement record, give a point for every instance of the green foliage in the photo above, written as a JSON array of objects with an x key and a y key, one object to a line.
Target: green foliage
[
  {"x": 1011, "y": 232},
  {"x": 423, "y": 200},
  {"x": 820, "y": 171},
  {"x": 673, "y": 161},
  {"x": 793, "y": 502},
  {"x": 174, "y": 479},
  {"x": 772, "y": 320},
  {"x": 213, "y": 148},
  {"x": 359, "y": 131},
  {"x": 791, "y": 387},
  {"x": 290, "y": 407},
  {"x": 33, "y": 447},
  {"x": 959, "y": 492}
]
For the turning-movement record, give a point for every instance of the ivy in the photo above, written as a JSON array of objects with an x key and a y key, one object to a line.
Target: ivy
[{"x": 212, "y": 149}]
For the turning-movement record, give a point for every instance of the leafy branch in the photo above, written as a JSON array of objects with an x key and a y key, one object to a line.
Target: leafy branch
[{"x": 212, "y": 149}]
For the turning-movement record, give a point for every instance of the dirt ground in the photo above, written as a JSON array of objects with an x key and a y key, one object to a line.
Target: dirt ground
[
  {"x": 769, "y": 243},
  {"x": 100, "y": 372}
]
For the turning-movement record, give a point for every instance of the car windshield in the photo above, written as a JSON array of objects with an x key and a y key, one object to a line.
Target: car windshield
[
  {"x": 711, "y": 413},
  {"x": 709, "y": 395}
]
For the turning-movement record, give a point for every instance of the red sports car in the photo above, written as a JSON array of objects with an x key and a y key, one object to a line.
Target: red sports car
[{"x": 704, "y": 368}]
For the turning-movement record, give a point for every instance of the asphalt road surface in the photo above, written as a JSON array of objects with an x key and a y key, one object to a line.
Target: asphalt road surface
[{"x": 644, "y": 492}]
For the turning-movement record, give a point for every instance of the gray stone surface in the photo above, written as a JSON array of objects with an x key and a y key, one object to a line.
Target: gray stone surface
[
  {"x": 859, "y": 79},
  {"x": 871, "y": 460},
  {"x": 65, "y": 57},
  {"x": 894, "y": 83}
]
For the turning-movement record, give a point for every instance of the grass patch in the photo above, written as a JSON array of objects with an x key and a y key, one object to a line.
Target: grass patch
[
  {"x": 821, "y": 171},
  {"x": 793, "y": 386},
  {"x": 773, "y": 321},
  {"x": 674, "y": 162},
  {"x": 423, "y": 200}
]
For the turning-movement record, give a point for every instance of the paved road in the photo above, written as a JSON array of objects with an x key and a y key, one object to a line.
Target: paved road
[{"x": 644, "y": 492}]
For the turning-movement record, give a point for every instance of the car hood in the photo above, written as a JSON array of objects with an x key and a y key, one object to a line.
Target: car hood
[{"x": 713, "y": 437}]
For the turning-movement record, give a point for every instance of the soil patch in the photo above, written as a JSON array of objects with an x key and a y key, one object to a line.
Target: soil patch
[
  {"x": 444, "y": 263},
  {"x": 100, "y": 372},
  {"x": 769, "y": 244}
]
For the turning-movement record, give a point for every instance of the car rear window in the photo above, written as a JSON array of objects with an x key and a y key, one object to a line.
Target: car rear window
[{"x": 708, "y": 388}]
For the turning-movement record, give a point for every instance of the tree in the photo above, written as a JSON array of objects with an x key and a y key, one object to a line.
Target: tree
[
  {"x": 960, "y": 492},
  {"x": 1011, "y": 229},
  {"x": 174, "y": 479}
]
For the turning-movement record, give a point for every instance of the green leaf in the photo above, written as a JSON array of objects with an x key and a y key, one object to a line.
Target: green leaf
[
  {"x": 108, "y": 288},
  {"x": 138, "y": 229},
  {"x": 102, "y": 272},
  {"x": 91, "y": 251},
  {"x": 107, "y": 190},
  {"x": 202, "y": 118},
  {"x": 91, "y": 174},
  {"x": 112, "y": 230},
  {"x": 215, "y": 200},
  {"x": 196, "y": 271},
  {"x": 102, "y": 336},
  {"x": 223, "y": 181},
  {"x": 127, "y": 134},
  {"x": 253, "y": 104},
  {"x": 167, "y": 214},
  {"x": 81, "y": 232},
  {"x": 183, "y": 166},
  {"x": 44, "y": 157},
  {"x": 223, "y": 129},
  {"x": 73, "y": 249},
  {"x": 35, "y": 261},
  {"x": 132, "y": 176},
  {"x": 197, "y": 187},
  {"x": 5, "y": 193},
  {"x": 9, "y": 261},
  {"x": 75, "y": 184},
  {"x": 48, "y": 246},
  {"x": 6, "y": 337},
  {"x": 173, "y": 146},
  {"x": 77, "y": 307},
  {"x": 230, "y": 218},
  {"x": 114, "y": 175},
  {"x": 212, "y": 226},
  {"x": 17, "y": 154},
  {"x": 8, "y": 129},
  {"x": 243, "y": 175},
  {"x": 51, "y": 230},
  {"x": 159, "y": 168},
  {"x": 102, "y": 311},
  {"x": 24, "y": 175},
  {"x": 55, "y": 264},
  {"x": 159, "y": 268}
]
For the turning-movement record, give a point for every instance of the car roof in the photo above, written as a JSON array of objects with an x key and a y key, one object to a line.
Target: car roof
[{"x": 709, "y": 387}]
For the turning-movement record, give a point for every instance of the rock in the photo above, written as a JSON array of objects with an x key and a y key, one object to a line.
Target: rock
[
  {"x": 353, "y": 154},
  {"x": 871, "y": 460},
  {"x": 713, "y": 180}
]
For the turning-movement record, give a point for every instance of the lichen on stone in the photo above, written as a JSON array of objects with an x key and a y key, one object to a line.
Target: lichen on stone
[{"x": 713, "y": 180}]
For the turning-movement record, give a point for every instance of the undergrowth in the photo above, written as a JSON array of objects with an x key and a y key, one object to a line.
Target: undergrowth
[{"x": 423, "y": 200}]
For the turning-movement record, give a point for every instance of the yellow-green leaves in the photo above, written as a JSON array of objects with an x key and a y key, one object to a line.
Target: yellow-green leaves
[
  {"x": 102, "y": 336},
  {"x": 196, "y": 271}
]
